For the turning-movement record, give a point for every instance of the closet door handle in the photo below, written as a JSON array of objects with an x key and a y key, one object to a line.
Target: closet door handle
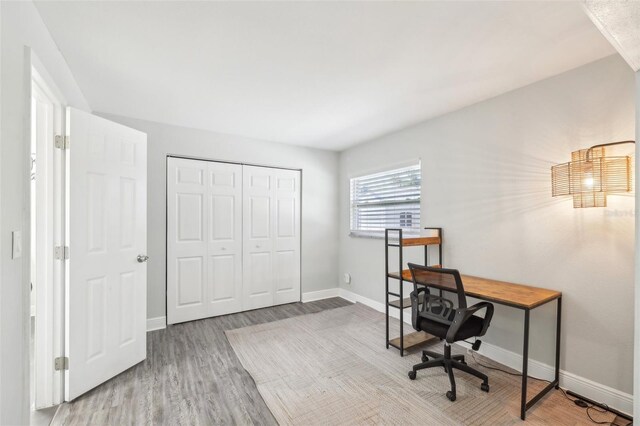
[{"x": 142, "y": 258}]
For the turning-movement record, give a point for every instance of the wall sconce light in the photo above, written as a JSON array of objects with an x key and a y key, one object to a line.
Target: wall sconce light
[{"x": 591, "y": 175}]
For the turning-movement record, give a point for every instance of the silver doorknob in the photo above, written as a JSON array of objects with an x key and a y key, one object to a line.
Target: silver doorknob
[{"x": 142, "y": 258}]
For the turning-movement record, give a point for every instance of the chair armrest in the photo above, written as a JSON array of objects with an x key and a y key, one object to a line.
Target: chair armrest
[
  {"x": 463, "y": 314},
  {"x": 415, "y": 306}
]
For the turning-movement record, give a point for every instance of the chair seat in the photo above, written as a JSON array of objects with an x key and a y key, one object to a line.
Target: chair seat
[{"x": 472, "y": 327}]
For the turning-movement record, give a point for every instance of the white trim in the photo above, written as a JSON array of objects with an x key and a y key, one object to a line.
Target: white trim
[
  {"x": 378, "y": 306},
  {"x": 612, "y": 397},
  {"x": 157, "y": 323},
  {"x": 386, "y": 168},
  {"x": 311, "y": 296},
  {"x": 48, "y": 340}
]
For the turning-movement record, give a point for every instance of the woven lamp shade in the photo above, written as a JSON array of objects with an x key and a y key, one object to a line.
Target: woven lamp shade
[{"x": 588, "y": 179}]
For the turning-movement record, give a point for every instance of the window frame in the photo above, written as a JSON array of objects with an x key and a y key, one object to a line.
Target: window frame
[{"x": 379, "y": 233}]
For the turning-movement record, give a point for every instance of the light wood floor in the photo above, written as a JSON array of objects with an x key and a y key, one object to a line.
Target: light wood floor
[{"x": 191, "y": 376}]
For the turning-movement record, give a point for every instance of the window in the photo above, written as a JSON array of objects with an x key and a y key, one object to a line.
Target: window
[{"x": 389, "y": 199}]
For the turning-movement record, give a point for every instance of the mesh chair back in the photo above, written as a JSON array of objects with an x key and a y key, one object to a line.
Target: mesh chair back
[{"x": 438, "y": 278}]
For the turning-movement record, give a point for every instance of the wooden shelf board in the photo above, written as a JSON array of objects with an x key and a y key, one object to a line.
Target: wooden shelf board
[
  {"x": 406, "y": 302},
  {"x": 421, "y": 241},
  {"x": 412, "y": 339}
]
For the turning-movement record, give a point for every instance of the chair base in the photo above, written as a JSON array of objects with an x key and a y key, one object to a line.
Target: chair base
[{"x": 449, "y": 363}]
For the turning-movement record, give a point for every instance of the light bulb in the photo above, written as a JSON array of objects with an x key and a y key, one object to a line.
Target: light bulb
[{"x": 588, "y": 182}]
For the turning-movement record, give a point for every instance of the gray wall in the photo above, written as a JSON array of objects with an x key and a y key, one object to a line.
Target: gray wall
[
  {"x": 319, "y": 196},
  {"x": 486, "y": 180}
]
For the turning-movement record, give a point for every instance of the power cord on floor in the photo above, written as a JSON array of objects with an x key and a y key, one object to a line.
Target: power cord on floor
[
  {"x": 591, "y": 407},
  {"x": 586, "y": 406},
  {"x": 473, "y": 355}
]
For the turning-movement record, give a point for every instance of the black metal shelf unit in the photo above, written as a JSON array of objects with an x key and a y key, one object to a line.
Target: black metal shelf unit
[{"x": 401, "y": 303}]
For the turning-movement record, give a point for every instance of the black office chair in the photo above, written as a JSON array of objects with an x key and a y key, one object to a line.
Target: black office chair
[{"x": 437, "y": 316}]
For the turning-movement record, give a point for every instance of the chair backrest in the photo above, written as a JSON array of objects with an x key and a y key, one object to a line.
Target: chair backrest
[{"x": 440, "y": 279}]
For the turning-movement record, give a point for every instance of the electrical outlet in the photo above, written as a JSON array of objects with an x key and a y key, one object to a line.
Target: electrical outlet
[{"x": 347, "y": 278}]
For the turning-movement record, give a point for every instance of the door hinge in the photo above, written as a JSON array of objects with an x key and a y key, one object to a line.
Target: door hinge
[
  {"x": 61, "y": 363},
  {"x": 62, "y": 142},
  {"x": 61, "y": 253}
]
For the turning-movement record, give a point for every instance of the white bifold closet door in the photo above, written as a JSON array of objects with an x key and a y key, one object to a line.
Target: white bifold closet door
[
  {"x": 233, "y": 238},
  {"x": 204, "y": 239},
  {"x": 271, "y": 272}
]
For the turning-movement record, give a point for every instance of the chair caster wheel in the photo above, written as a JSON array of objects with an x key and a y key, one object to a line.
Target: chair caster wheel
[
  {"x": 412, "y": 375},
  {"x": 485, "y": 387},
  {"x": 425, "y": 358},
  {"x": 451, "y": 396}
]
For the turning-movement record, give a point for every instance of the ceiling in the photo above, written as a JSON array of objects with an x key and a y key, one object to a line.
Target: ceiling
[
  {"x": 619, "y": 22},
  {"x": 322, "y": 74}
]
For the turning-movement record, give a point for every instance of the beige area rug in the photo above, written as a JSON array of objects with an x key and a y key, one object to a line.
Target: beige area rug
[{"x": 333, "y": 368}]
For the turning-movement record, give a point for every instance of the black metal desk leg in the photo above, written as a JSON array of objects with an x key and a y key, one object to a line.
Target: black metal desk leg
[
  {"x": 525, "y": 365},
  {"x": 386, "y": 305},
  {"x": 386, "y": 280},
  {"x": 558, "y": 319}
]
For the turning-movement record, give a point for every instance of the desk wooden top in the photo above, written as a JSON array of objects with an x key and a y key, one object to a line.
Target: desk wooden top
[{"x": 517, "y": 295}]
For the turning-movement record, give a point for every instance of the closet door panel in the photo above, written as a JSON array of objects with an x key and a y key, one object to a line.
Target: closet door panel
[
  {"x": 258, "y": 282},
  {"x": 223, "y": 275},
  {"x": 186, "y": 240},
  {"x": 224, "y": 249},
  {"x": 189, "y": 277},
  {"x": 286, "y": 236}
]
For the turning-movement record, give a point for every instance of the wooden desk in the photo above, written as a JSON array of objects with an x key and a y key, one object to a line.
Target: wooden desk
[
  {"x": 517, "y": 296},
  {"x": 501, "y": 292}
]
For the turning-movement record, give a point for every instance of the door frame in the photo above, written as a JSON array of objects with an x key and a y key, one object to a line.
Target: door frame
[
  {"x": 48, "y": 341},
  {"x": 166, "y": 213}
]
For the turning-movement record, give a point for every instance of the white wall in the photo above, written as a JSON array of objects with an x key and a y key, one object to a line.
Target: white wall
[
  {"x": 486, "y": 180},
  {"x": 22, "y": 31},
  {"x": 319, "y": 196}
]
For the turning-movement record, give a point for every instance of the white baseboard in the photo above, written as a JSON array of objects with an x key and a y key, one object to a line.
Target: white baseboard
[
  {"x": 378, "y": 306},
  {"x": 614, "y": 398},
  {"x": 320, "y": 294},
  {"x": 354, "y": 297},
  {"x": 157, "y": 323}
]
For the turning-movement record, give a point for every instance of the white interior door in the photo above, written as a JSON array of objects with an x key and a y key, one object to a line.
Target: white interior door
[
  {"x": 106, "y": 232},
  {"x": 286, "y": 236},
  {"x": 271, "y": 269},
  {"x": 224, "y": 239},
  {"x": 257, "y": 276},
  {"x": 204, "y": 239}
]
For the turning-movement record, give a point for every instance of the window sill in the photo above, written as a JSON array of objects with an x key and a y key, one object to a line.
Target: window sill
[
  {"x": 379, "y": 236},
  {"x": 355, "y": 234}
]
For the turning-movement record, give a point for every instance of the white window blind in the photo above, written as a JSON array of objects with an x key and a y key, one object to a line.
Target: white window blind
[{"x": 389, "y": 199}]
